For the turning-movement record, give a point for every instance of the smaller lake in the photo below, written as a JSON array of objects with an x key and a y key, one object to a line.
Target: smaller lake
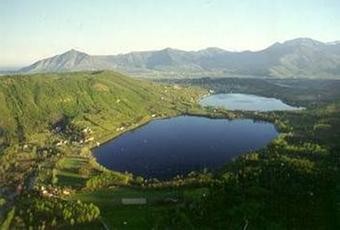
[
  {"x": 246, "y": 102},
  {"x": 176, "y": 146}
]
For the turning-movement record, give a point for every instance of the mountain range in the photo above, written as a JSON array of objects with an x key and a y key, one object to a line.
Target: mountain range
[{"x": 301, "y": 57}]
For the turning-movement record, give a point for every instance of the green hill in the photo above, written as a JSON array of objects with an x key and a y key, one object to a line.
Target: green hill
[{"x": 32, "y": 105}]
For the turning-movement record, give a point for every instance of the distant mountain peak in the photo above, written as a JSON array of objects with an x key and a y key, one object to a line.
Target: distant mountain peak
[
  {"x": 214, "y": 49},
  {"x": 303, "y": 42},
  {"x": 73, "y": 52},
  {"x": 169, "y": 50}
]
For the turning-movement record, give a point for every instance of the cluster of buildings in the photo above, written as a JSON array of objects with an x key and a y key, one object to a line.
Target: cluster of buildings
[{"x": 53, "y": 192}]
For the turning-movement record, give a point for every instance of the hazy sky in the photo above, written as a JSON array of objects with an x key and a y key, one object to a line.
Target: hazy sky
[{"x": 34, "y": 29}]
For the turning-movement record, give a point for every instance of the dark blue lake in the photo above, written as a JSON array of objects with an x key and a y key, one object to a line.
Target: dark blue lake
[{"x": 175, "y": 146}]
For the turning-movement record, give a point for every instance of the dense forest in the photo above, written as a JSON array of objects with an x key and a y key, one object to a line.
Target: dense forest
[{"x": 49, "y": 179}]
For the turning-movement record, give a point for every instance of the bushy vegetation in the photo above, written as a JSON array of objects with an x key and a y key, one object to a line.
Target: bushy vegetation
[
  {"x": 6, "y": 224},
  {"x": 193, "y": 179},
  {"x": 108, "y": 178},
  {"x": 264, "y": 191},
  {"x": 37, "y": 212}
]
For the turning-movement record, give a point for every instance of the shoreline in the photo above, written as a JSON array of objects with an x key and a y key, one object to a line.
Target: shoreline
[{"x": 208, "y": 115}]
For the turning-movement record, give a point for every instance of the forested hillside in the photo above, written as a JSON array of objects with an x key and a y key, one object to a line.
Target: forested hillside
[{"x": 38, "y": 103}]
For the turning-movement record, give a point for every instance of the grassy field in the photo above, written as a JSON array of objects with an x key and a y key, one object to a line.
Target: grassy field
[
  {"x": 119, "y": 216},
  {"x": 68, "y": 171}
]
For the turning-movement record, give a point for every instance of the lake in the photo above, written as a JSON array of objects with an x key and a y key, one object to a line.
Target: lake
[
  {"x": 246, "y": 102},
  {"x": 175, "y": 146}
]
